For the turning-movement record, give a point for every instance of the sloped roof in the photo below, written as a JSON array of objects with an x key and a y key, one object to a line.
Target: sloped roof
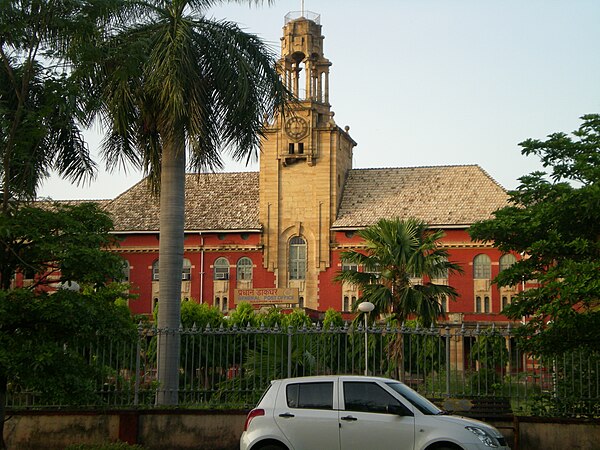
[
  {"x": 442, "y": 195},
  {"x": 216, "y": 201}
]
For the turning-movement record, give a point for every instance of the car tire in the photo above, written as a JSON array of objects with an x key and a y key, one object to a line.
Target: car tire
[{"x": 272, "y": 447}]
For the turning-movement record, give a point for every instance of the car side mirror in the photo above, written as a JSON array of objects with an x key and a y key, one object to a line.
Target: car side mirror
[{"x": 399, "y": 410}]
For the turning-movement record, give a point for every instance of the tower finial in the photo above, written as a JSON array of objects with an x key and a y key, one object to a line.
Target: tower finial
[{"x": 302, "y": 7}]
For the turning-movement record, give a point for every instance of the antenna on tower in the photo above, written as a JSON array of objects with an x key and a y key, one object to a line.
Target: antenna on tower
[{"x": 302, "y": 7}]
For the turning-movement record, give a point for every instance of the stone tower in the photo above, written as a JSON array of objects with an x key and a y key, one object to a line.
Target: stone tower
[{"x": 304, "y": 160}]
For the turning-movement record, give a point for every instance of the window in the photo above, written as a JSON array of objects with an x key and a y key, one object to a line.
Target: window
[
  {"x": 28, "y": 273},
  {"x": 504, "y": 301},
  {"x": 482, "y": 267},
  {"x": 443, "y": 273},
  {"x": 506, "y": 261},
  {"x": 300, "y": 148},
  {"x": 486, "y": 304},
  {"x": 349, "y": 266},
  {"x": 221, "y": 269},
  {"x": 245, "y": 236},
  {"x": 310, "y": 395},
  {"x": 125, "y": 271},
  {"x": 297, "y": 264},
  {"x": 244, "y": 269},
  {"x": 367, "y": 397},
  {"x": 478, "y": 304},
  {"x": 186, "y": 273},
  {"x": 349, "y": 234},
  {"x": 291, "y": 148},
  {"x": 444, "y": 305},
  {"x": 300, "y": 302},
  {"x": 221, "y": 304},
  {"x": 346, "y": 303},
  {"x": 155, "y": 270}
]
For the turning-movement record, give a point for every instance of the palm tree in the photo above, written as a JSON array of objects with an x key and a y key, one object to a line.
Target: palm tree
[
  {"x": 41, "y": 109},
  {"x": 398, "y": 251},
  {"x": 175, "y": 86}
]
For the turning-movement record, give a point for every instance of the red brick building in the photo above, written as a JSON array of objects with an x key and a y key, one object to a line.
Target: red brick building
[{"x": 284, "y": 227}]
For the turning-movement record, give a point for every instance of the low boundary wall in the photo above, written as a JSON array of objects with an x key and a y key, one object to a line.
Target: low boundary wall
[{"x": 181, "y": 429}]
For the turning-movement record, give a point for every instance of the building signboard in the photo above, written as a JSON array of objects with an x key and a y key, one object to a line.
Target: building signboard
[{"x": 267, "y": 296}]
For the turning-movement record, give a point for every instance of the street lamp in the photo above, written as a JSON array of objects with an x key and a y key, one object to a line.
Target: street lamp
[{"x": 366, "y": 307}]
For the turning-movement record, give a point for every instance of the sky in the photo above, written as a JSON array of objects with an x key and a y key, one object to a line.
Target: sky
[{"x": 431, "y": 82}]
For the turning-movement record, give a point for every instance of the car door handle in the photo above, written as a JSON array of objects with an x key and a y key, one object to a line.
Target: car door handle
[
  {"x": 286, "y": 415},
  {"x": 349, "y": 418}
]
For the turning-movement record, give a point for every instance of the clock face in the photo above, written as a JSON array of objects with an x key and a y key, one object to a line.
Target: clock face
[{"x": 296, "y": 127}]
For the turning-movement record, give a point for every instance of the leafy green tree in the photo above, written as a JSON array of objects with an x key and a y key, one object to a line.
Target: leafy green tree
[
  {"x": 553, "y": 219},
  {"x": 176, "y": 87},
  {"x": 200, "y": 315},
  {"x": 491, "y": 355},
  {"x": 396, "y": 251},
  {"x": 42, "y": 107},
  {"x": 59, "y": 244},
  {"x": 243, "y": 316}
]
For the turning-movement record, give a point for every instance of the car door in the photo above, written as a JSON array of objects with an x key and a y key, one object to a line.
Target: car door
[
  {"x": 372, "y": 417},
  {"x": 306, "y": 416}
]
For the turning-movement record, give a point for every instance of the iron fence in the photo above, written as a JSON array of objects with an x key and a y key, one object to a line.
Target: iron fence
[{"x": 231, "y": 366}]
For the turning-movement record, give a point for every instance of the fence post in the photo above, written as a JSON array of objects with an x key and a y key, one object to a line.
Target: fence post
[
  {"x": 136, "y": 395},
  {"x": 289, "y": 352},
  {"x": 448, "y": 365}
]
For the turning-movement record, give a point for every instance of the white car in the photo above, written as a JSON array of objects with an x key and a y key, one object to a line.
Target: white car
[{"x": 341, "y": 412}]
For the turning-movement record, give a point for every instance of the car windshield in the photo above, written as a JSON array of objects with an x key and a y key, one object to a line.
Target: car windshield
[{"x": 415, "y": 399}]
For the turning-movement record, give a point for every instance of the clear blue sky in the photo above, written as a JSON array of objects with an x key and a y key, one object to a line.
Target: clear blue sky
[{"x": 436, "y": 82}]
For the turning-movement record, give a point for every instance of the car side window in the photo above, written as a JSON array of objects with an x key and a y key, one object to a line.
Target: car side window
[
  {"x": 310, "y": 395},
  {"x": 367, "y": 397}
]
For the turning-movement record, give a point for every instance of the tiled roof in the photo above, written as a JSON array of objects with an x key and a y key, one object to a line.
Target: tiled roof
[
  {"x": 443, "y": 195},
  {"x": 219, "y": 201}
]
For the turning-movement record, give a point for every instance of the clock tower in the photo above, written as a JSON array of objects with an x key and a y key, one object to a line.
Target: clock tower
[{"x": 304, "y": 160}]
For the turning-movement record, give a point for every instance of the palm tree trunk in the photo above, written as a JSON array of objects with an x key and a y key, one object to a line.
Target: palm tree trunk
[
  {"x": 3, "y": 385},
  {"x": 172, "y": 208}
]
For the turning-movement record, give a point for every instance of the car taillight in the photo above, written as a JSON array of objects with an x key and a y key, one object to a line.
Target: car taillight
[{"x": 251, "y": 415}]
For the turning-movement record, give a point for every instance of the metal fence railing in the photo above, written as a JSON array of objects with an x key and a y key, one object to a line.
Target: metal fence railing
[{"x": 230, "y": 367}]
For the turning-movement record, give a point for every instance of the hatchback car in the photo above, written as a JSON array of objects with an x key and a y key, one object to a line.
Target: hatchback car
[{"x": 358, "y": 413}]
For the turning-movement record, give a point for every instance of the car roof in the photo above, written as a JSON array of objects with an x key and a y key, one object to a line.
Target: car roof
[{"x": 316, "y": 378}]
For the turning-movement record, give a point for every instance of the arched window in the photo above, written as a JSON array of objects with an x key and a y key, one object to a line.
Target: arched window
[
  {"x": 486, "y": 304},
  {"x": 346, "y": 303},
  {"x": 478, "y": 304},
  {"x": 506, "y": 261},
  {"x": 300, "y": 302},
  {"x": 155, "y": 270},
  {"x": 221, "y": 269},
  {"x": 297, "y": 265},
  {"x": 244, "y": 269},
  {"x": 186, "y": 273},
  {"x": 482, "y": 267}
]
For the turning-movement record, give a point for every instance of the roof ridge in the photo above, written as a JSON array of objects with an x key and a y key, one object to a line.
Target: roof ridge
[{"x": 417, "y": 167}]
